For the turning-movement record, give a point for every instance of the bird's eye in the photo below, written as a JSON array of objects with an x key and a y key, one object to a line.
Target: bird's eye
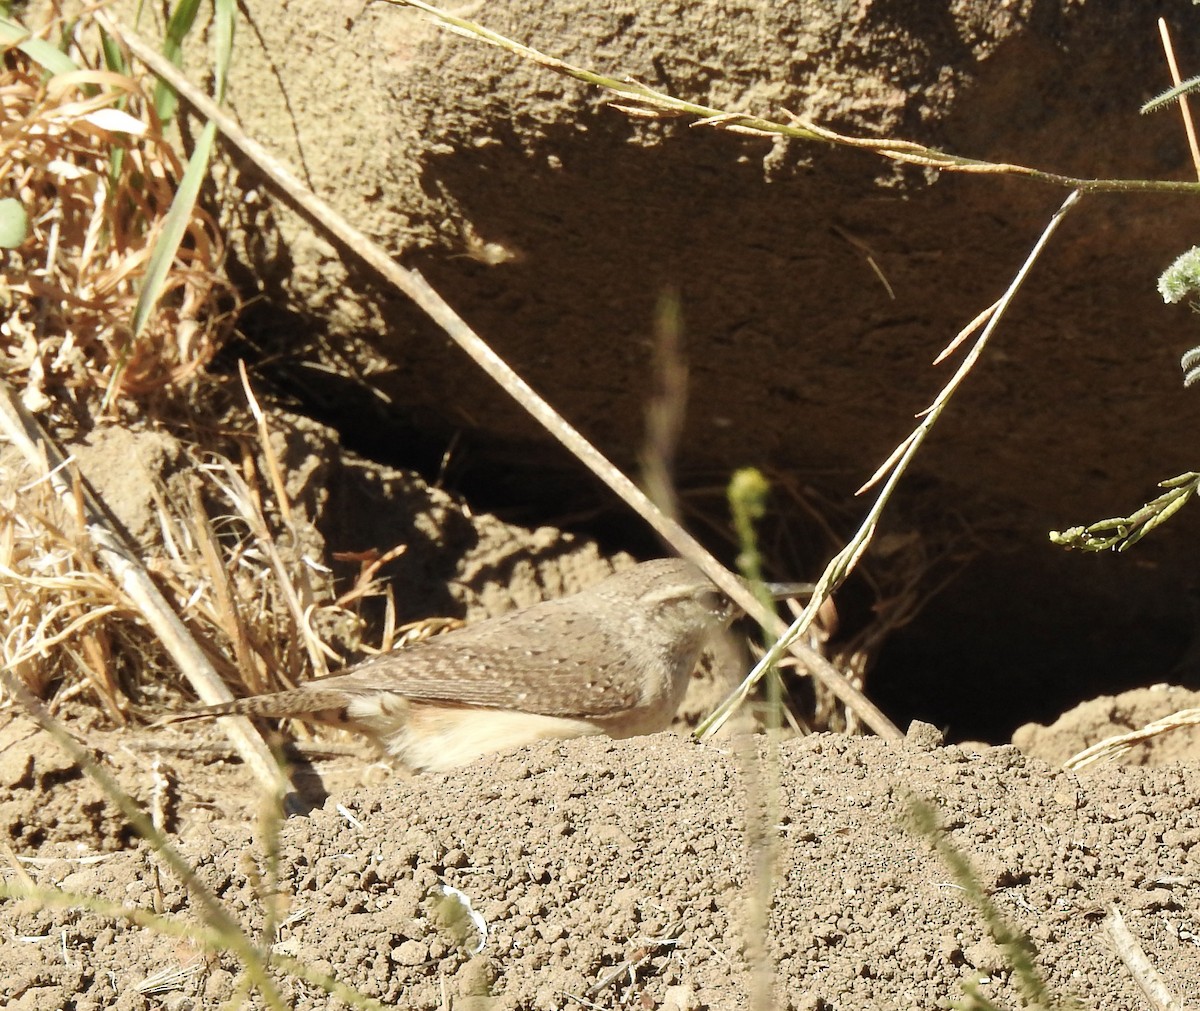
[{"x": 714, "y": 601}]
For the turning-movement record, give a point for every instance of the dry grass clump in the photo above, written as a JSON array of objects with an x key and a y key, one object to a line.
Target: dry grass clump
[
  {"x": 244, "y": 583},
  {"x": 84, "y": 153},
  {"x": 259, "y": 607},
  {"x": 63, "y": 619},
  {"x": 82, "y": 149}
]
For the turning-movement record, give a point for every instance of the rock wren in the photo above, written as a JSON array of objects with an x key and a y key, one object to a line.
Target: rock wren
[{"x": 613, "y": 659}]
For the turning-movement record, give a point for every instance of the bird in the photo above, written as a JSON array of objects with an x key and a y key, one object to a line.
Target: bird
[{"x": 612, "y": 659}]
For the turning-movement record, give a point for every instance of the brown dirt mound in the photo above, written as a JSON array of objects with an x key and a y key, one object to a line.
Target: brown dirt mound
[
  {"x": 588, "y": 856},
  {"x": 1112, "y": 715}
]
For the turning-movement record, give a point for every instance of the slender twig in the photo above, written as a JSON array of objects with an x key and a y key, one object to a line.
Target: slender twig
[
  {"x": 1140, "y": 967},
  {"x": 636, "y": 960},
  {"x": 414, "y": 285}
]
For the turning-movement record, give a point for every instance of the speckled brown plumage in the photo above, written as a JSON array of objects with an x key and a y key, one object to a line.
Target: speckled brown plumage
[{"x": 614, "y": 659}]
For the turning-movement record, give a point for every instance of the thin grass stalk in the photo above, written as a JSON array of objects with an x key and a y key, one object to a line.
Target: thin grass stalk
[
  {"x": 845, "y": 560},
  {"x": 1118, "y": 744},
  {"x": 650, "y": 103},
  {"x": 211, "y": 939}
]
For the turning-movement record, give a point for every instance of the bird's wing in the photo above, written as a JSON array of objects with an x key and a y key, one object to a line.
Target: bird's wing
[{"x": 569, "y": 665}]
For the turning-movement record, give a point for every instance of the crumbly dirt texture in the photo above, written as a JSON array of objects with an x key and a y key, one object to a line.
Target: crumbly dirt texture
[{"x": 621, "y": 874}]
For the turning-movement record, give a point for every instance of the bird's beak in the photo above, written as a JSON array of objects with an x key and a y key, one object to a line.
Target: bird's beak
[{"x": 782, "y": 591}]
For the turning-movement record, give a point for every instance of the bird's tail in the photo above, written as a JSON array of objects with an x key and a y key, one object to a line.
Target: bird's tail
[{"x": 325, "y": 704}]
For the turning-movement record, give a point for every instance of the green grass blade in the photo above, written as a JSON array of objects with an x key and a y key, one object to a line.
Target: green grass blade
[
  {"x": 226, "y": 11},
  {"x": 114, "y": 59},
  {"x": 174, "y": 227},
  {"x": 183, "y": 17},
  {"x": 1171, "y": 95},
  {"x": 39, "y": 50}
]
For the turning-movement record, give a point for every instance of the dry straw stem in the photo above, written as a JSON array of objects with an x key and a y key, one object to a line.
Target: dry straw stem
[
  {"x": 636, "y": 99},
  {"x": 84, "y": 153},
  {"x": 1140, "y": 967},
  {"x": 414, "y": 285},
  {"x": 1118, "y": 744},
  {"x": 1189, "y": 128},
  {"x": 21, "y": 429},
  {"x": 893, "y": 468}
]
